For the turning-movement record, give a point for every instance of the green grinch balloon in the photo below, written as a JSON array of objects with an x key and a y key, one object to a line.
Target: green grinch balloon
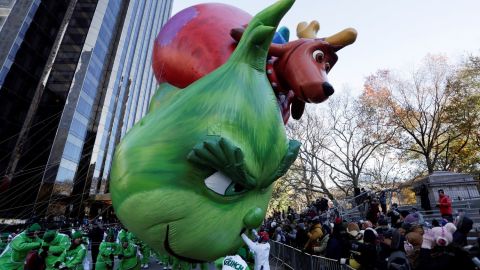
[{"x": 199, "y": 167}]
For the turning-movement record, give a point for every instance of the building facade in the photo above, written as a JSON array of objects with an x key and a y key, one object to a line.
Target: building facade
[{"x": 75, "y": 75}]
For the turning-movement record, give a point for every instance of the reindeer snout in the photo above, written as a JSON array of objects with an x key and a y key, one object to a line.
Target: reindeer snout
[
  {"x": 328, "y": 89},
  {"x": 315, "y": 92}
]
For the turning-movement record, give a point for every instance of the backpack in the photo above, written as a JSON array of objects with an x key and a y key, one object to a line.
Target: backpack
[{"x": 398, "y": 261}]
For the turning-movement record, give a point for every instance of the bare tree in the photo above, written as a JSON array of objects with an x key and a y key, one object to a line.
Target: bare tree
[
  {"x": 306, "y": 174},
  {"x": 336, "y": 145},
  {"x": 419, "y": 108}
]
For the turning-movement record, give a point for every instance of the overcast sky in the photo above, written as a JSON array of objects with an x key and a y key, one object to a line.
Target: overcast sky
[{"x": 391, "y": 34}]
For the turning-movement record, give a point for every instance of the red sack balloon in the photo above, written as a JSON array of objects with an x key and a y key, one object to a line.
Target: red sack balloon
[{"x": 196, "y": 41}]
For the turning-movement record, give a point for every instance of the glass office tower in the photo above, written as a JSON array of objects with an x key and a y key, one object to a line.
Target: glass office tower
[{"x": 77, "y": 76}]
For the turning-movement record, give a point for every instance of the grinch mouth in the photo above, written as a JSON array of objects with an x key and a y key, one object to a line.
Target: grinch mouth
[{"x": 166, "y": 245}]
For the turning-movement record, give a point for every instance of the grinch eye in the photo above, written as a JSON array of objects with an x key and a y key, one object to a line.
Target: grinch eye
[{"x": 223, "y": 185}]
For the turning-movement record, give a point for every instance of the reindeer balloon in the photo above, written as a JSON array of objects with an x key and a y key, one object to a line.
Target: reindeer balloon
[{"x": 205, "y": 36}]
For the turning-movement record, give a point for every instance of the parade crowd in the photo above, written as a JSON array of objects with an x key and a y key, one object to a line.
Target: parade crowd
[{"x": 381, "y": 239}]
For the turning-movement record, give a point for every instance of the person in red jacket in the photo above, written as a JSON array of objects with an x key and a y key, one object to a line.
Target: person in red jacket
[{"x": 445, "y": 205}]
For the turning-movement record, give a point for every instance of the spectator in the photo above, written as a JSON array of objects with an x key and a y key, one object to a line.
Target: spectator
[
  {"x": 279, "y": 236},
  {"x": 368, "y": 250},
  {"x": 413, "y": 243},
  {"x": 95, "y": 235},
  {"x": 382, "y": 227},
  {"x": 323, "y": 205},
  {"x": 394, "y": 215},
  {"x": 353, "y": 231},
  {"x": 445, "y": 205},
  {"x": 320, "y": 248},
  {"x": 314, "y": 234},
  {"x": 464, "y": 225},
  {"x": 437, "y": 253},
  {"x": 373, "y": 211},
  {"x": 424, "y": 199},
  {"x": 421, "y": 220},
  {"x": 383, "y": 201},
  {"x": 302, "y": 236},
  {"x": 338, "y": 244},
  {"x": 291, "y": 235}
]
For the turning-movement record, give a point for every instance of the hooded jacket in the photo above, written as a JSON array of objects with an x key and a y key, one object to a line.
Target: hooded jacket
[
  {"x": 460, "y": 235},
  {"x": 56, "y": 248},
  {"x": 13, "y": 257},
  {"x": 73, "y": 257}
]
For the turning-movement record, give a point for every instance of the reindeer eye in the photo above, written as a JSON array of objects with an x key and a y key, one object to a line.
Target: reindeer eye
[
  {"x": 327, "y": 67},
  {"x": 318, "y": 56}
]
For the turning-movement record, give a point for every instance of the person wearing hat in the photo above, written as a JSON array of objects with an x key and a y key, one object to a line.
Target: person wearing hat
[
  {"x": 412, "y": 245},
  {"x": 14, "y": 255},
  {"x": 107, "y": 250},
  {"x": 261, "y": 250},
  {"x": 353, "y": 231},
  {"x": 368, "y": 250},
  {"x": 437, "y": 251},
  {"x": 127, "y": 254},
  {"x": 72, "y": 258},
  {"x": 57, "y": 243}
]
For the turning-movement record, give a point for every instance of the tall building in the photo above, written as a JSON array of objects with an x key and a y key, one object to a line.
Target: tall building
[
  {"x": 75, "y": 75},
  {"x": 5, "y": 8}
]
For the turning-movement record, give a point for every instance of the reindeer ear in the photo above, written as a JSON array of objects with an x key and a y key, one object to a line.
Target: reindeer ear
[
  {"x": 278, "y": 49},
  {"x": 298, "y": 107},
  {"x": 237, "y": 33}
]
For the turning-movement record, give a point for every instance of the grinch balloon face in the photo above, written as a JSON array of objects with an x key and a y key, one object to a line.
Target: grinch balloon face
[{"x": 199, "y": 167}]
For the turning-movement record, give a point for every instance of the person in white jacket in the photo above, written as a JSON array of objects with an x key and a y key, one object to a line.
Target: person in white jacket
[{"x": 260, "y": 249}]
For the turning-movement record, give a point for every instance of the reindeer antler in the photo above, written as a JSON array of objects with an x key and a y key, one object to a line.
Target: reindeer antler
[
  {"x": 343, "y": 38},
  {"x": 310, "y": 30}
]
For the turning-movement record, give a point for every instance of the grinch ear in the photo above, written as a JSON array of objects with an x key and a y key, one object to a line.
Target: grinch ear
[{"x": 257, "y": 37}]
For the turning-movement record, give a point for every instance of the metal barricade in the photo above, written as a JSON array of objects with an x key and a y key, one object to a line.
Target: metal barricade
[{"x": 286, "y": 257}]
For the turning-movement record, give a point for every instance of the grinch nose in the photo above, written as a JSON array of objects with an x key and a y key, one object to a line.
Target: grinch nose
[{"x": 253, "y": 219}]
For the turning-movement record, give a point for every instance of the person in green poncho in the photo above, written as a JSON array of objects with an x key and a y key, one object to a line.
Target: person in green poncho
[
  {"x": 14, "y": 255},
  {"x": 107, "y": 250},
  {"x": 124, "y": 233},
  {"x": 128, "y": 255},
  {"x": 145, "y": 250},
  {"x": 57, "y": 243},
  {"x": 72, "y": 258}
]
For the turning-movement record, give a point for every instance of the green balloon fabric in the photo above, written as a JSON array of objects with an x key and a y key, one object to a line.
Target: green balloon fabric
[{"x": 199, "y": 167}]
